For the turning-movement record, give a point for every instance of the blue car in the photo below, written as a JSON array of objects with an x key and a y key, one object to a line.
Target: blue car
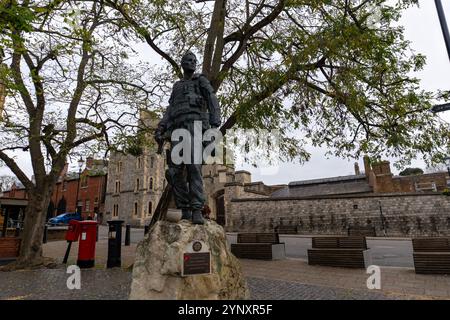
[{"x": 64, "y": 218}]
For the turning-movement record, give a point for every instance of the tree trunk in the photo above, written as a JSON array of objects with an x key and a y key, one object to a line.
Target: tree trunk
[{"x": 33, "y": 232}]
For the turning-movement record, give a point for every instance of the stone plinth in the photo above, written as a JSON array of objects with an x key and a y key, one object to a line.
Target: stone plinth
[{"x": 158, "y": 266}]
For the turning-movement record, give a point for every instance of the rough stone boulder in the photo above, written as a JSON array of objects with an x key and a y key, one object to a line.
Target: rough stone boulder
[{"x": 158, "y": 265}]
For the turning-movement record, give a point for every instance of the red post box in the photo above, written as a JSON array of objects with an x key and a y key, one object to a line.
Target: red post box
[
  {"x": 86, "y": 248},
  {"x": 73, "y": 233}
]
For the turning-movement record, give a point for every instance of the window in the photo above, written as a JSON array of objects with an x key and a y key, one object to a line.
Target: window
[
  {"x": 135, "y": 208},
  {"x": 87, "y": 205},
  {"x": 152, "y": 162},
  {"x": 117, "y": 186},
  {"x": 116, "y": 210},
  {"x": 79, "y": 207},
  {"x": 84, "y": 181},
  {"x": 136, "y": 187},
  {"x": 96, "y": 202},
  {"x": 150, "y": 184},
  {"x": 139, "y": 163},
  {"x": 149, "y": 213},
  {"x": 119, "y": 166},
  {"x": 64, "y": 185}
]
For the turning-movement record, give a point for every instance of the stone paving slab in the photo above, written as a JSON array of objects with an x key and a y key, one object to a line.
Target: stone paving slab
[
  {"x": 114, "y": 284},
  {"x": 266, "y": 289},
  {"x": 400, "y": 281},
  {"x": 51, "y": 284},
  {"x": 57, "y": 250},
  {"x": 394, "y": 280}
]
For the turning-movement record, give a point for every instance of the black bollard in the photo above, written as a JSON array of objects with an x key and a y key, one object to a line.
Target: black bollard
[
  {"x": 96, "y": 239},
  {"x": 127, "y": 234},
  {"x": 146, "y": 229},
  {"x": 114, "y": 243},
  {"x": 45, "y": 234},
  {"x": 66, "y": 256}
]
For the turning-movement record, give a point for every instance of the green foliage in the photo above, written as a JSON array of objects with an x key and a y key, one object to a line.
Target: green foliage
[
  {"x": 134, "y": 146},
  {"x": 336, "y": 74},
  {"x": 411, "y": 172},
  {"x": 15, "y": 17}
]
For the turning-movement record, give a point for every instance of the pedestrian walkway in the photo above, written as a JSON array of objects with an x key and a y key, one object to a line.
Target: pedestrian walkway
[
  {"x": 114, "y": 284},
  {"x": 285, "y": 279},
  {"x": 396, "y": 281},
  {"x": 57, "y": 249}
]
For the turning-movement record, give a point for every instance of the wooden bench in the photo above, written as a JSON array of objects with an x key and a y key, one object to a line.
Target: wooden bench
[
  {"x": 286, "y": 230},
  {"x": 344, "y": 252},
  {"x": 431, "y": 255},
  {"x": 366, "y": 231},
  {"x": 9, "y": 247},
  {"x": 263, "y": 246}
]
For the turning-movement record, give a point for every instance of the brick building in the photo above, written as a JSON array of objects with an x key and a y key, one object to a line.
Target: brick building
[
  {"x": 17, "y": 191},
  {"x": 90, "y": 189},
  {"x": 91, "y": 193},
  {"x": 13, "y": 203}
]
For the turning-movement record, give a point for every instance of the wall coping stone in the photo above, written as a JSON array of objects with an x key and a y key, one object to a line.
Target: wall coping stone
[
  {"x": 234, "y": 184},
  {"x": 346, "y": 196}
]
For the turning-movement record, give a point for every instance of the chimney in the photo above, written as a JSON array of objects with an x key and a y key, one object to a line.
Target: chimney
[
  {"x": 367, "y": 168},
  {"x": 89, "y": 162},
  {"x": 357, "y": 171}
]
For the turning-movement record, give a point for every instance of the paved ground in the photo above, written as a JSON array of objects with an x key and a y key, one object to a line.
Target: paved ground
[
  {"x": 385, "y": 252},
  {"x": 392, "y": 253},
  {"x": 394, "y": 281},
  {"x": 114, "y": 284},
  {"x": 269, "y": 289},
  {"x": 292, "y": 278}
]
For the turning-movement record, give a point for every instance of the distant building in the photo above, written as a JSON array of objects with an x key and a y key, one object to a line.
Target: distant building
[
  {"x": 90, "y": 190},
  {"x": 135, "y": 183},
  {"x": 17, "y": 191},
  {"x": 13, "y": 203},
  {"x": 393, "y": 205}
]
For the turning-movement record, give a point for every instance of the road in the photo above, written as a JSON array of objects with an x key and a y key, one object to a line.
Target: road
[{"x": 385, "y": 252}]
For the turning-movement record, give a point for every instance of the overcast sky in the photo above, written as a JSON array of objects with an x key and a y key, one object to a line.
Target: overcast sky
[{"x": 423, "y": 29}]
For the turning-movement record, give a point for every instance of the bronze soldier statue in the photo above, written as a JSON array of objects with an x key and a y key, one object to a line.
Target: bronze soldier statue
[{"x": 192, "y": 100}]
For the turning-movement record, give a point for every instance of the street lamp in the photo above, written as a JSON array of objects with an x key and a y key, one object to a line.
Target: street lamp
[
  {"x": 444, "y": 25},
  {"x": 80, "y": 165},
  {"x": 447, "y": 163}
]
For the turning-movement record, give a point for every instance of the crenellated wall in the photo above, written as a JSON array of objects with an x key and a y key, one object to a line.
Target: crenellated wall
[{"x": 404, "y": 215}]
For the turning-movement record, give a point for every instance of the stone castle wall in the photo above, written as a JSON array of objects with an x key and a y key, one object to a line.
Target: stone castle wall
[
  {"x": 405, "y": 215},
  {"x": 146, "y": 195}
]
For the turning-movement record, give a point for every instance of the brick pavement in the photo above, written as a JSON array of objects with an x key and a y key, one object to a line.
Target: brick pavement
[
  {"x": 115, "y": 284},
  {"x": 394, "y": 281},
  {"x": 57, "y": 250}
]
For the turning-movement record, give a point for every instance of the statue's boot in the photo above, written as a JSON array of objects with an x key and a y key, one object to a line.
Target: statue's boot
[
  {"x": 197, "y": 217},
  {"x": 186, "y": 214}
]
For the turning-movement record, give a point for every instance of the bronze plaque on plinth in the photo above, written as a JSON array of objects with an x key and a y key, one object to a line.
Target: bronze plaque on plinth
[
  {"x": 196, "y": 263},
  {"x": 196, "y": 259}
]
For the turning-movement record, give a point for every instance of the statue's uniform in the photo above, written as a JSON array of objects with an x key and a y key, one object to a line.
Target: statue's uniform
[{"x": 191, "y": 100}]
